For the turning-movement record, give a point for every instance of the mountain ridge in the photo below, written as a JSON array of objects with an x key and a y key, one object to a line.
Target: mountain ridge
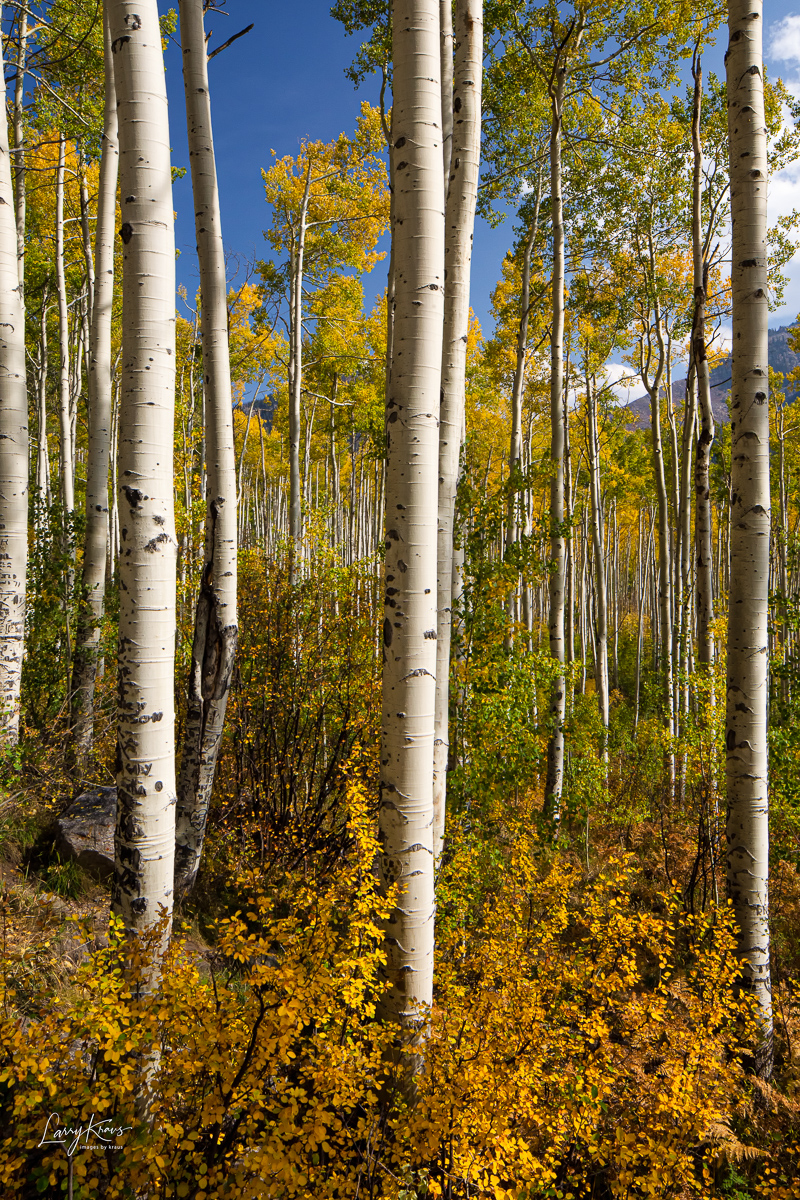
[{"x": 781, "y": 358}]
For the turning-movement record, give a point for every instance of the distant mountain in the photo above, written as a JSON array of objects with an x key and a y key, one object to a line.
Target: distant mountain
[
  {"x": 781, "y": 358},
  {"x": 264, "y": 407}
]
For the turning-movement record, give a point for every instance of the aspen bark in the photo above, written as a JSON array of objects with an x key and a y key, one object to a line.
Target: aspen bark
[
  {"x": 518, "y": 386},
  {"x": 92, "y": 597},
  {"x": 704, "y": 586},
  {"x": 747, "y": 691},
  {"x": 145, "y": 834},
  {"x": 555, "y": 750},
  {"x": 459, "y": 224},
  {"x": 65, "y": 417},
  {"x": 216, "y": 623},
  {"x": 20, "y": 178},
  {"x": 409, "y": 627},
  {"x": 43, "y": 497},
  {"x": 446, "y": 44},
  {"x": 598, "y": 548},
  {"x": 296, "y": 377},
  {"x": 13, "y": 452}
]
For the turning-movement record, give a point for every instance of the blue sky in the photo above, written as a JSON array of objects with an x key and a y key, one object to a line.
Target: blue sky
[{"x": 285, "y": 80}]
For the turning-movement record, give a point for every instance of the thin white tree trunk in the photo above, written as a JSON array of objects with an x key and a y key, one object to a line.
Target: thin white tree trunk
[
  {"x": 20, "y": 178},
  {"x": 555, "y": 751},
  {"x": 704, "y": 586},
  {"x": 459, "y": 224},
  {"x": 598, "y": 547},
  {"x": 216, "y": 624},
  {"x": 747, "y": 691},
  {"x": 409, "y": 627},
  {"x": 92, "y": 598},
  {"x": 446, "y": 44},
  {"x": 145, "y": 835},
  {"x": 13, "y": 451},
  {"x": 43, "y": 497},
  {"x": 296, "y": 380},
  {"x": 65, "y": 421}
]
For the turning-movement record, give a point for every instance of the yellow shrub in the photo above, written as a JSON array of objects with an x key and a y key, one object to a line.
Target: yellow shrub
[{"x": 575, "y": 1044}]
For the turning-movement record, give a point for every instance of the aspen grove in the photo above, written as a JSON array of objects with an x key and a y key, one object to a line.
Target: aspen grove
[{"x": 399, "y": 662}]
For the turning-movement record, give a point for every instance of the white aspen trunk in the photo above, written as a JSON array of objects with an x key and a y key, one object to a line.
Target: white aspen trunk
[
  {"x": 459, "y": 224},
  {"x": 216, "y": 629},
  {"x": 640, "y": 632},
  {"x": 704, "y": 585},
  {"x": 20, "y": 179},
  {"x": 685, "y": 589},
  {"x": 145, "y": 834},
  {"x": 747, "y": 690},
  {"x": 65, "y": 416},
  {"x": 409, "y": 627},
  {"x": 86, "y": 235},
  {"x": 446, "y": 45},
  {"x": 664, "y": 639},
  {"x": 92, "y": 598},
  {"x": 518, "y": 386},
  {"x": 42, "y": 450},
  {"x": 13, "y": 451},
  {"x": 569, "y": 649},
  {"x": 555, "y": 750},
  {"x": 113, "y": 531},
  {"x": 296, "y": 381},
  {"x": 598, "y": 546}
]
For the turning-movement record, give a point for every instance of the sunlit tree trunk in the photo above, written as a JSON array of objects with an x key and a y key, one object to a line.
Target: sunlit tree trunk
[
  {"x": 13, "y": 452},
  {"x": 599, "y": 553},
  {"x": 663, "y": 638},
  {"x": 216, "y": 622},
  {"x": 65, "y": 423},
  {"x": 555, "y": 750},
  {"x": 704, "y": 565},
  {"x": 20, "y": 178},
  {"x": 92, "y": 598},
  {"x": 459, "y": 223},
  {"x": 296, "y": 375},
  {"x": 409, "y": 627},
  {"x": 446, "y": 42},
  {"x": 145, "y": 834},
  {"x": 747, "y": 693},
  {"x": 43, "y": 496}
]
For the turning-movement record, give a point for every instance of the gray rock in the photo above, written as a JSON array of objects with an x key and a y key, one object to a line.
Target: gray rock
[{"x": 86, "y": 831}]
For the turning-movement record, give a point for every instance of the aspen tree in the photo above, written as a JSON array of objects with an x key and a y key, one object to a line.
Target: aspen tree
[
  {"x": 747, "y": 691},
  {"x": 704, "y": 589},
  {"x": 13, "y": 451},
  {"x": 64, "y": 416},
  {"x": 20, "y": 178},
  {"x": 555, "y": 751},
  {"x": 92, "y": 599},
  {"x": 409, "y": 627},
  {"x": 145, "y": 834},
  {"x": 446, "y": 46},
  {"x": 599, "y": 553},
  {"x": 216, "y": 622},
  {"x": 459, "y": 224}
]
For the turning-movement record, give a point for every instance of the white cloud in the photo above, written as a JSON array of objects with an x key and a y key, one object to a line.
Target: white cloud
[
  {"x": 784, "y": 40},
  {"x": 623, "y": 383}
]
